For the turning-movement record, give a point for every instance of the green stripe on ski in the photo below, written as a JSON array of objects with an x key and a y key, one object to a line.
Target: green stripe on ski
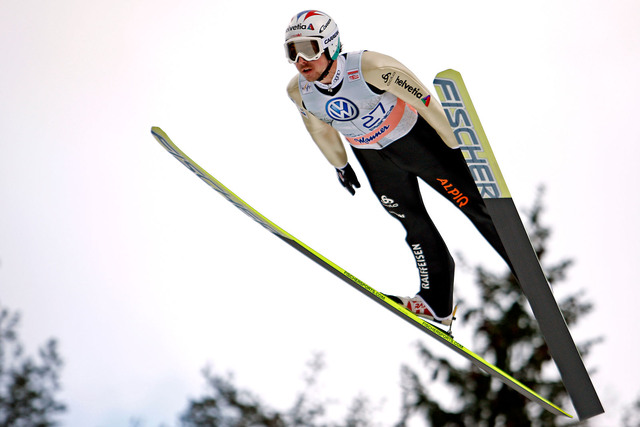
[
  {"x": 372, "y": 293},
  {"x": 470, "y": 135}
]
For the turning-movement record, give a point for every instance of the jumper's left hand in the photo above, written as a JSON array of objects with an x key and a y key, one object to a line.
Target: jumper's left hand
[{"x": 348, "y": 178}]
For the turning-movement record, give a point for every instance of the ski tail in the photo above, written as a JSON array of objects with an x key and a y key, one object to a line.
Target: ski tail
[{"x": 431, "y": 330}]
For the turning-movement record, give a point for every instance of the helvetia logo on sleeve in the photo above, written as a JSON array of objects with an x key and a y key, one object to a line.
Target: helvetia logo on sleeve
[
  {"x": 413, "y": 90},
  {"x": 391, "y": 77}
]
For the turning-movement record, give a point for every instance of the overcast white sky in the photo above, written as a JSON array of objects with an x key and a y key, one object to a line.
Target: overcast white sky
[{"x": 145, "y": 275}]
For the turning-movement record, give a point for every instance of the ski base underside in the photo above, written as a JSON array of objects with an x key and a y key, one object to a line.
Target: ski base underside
[{"x": 561, "y": 345}]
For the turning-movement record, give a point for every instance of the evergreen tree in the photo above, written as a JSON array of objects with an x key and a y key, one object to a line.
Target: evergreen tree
[
  {"x": 506, "y": 334},
  {"x": 28, "y": 387},
  {"x": 631, "y": 414},
  {"x": 225, "y": 405}
]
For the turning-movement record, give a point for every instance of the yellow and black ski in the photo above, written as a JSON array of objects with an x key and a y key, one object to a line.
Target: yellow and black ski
[
  {"x": 431, "y": 330},
  {"x": 473, "y": 142}
]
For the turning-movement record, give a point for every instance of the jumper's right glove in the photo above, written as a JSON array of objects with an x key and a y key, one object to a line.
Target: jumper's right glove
[{"x": 348, "y": 178}]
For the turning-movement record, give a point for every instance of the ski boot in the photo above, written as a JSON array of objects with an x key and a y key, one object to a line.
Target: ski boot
[{"x": 418, "y": 306}]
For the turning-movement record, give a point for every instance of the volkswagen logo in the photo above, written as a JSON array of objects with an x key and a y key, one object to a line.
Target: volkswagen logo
[{"x": 341, "y": 109}]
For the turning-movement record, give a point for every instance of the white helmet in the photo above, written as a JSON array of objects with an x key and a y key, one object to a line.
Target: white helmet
[{"x": 309, "y": 34}]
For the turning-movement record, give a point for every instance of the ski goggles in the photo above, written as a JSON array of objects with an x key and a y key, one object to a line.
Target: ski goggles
[{"x": 306, "y": 47}]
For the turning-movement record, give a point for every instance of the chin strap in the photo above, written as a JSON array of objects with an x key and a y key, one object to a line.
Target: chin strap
[{"x": 326, "y": 70}]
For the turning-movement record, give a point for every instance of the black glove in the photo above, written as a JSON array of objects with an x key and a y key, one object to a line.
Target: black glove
[{"x": 348, "y": 178}]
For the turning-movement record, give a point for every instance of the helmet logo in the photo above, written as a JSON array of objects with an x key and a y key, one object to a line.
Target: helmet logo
[
  {"x": 297, "y": 27},
  {"x": 300, "y": 27},
  {"x": 331, "y": 38}
]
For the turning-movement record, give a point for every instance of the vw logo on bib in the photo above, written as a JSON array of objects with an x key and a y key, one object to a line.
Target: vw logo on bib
[{"x": 341, "y": 109}]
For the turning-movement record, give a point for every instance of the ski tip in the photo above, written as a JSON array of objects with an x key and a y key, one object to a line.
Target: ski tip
[
  {"x": 158, "y": 133},
  {"x": 449, "y": 73}
]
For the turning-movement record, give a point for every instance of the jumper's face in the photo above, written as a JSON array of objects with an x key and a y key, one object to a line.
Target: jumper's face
[{"x": 312, "y": 70}]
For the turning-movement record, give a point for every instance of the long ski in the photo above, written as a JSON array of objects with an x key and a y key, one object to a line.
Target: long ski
[
  {"x": 482, "y": 163},
  {"x": 433, "y": 331}
]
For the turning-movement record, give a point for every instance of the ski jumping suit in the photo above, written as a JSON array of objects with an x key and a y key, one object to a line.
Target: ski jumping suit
[{"x": 398, "y": 132}]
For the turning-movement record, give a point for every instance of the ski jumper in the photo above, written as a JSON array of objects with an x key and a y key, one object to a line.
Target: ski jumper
[{"x": 398, "y": 133}]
